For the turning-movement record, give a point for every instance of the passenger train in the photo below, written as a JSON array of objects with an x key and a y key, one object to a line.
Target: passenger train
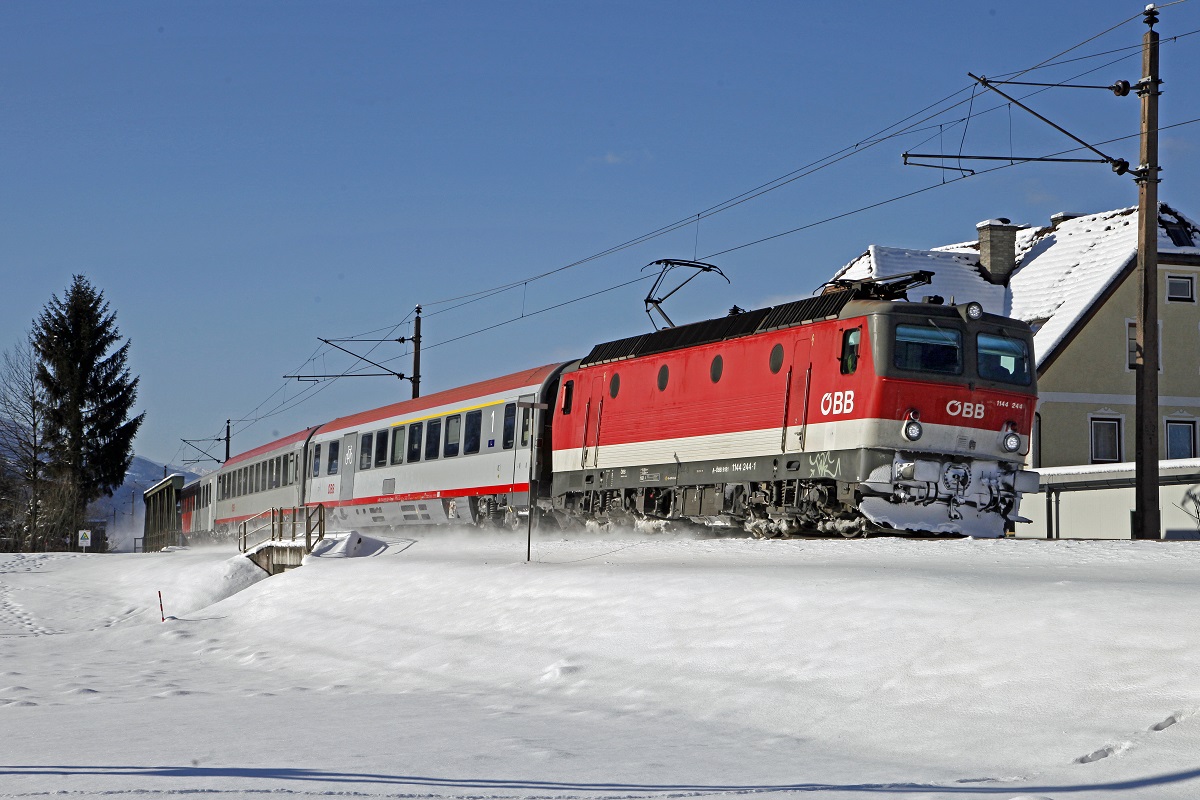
[{"x": 850, "y": 412}]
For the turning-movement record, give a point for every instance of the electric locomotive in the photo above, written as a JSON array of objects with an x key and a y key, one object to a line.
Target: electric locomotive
[
  {"x": 848, "y": 412},
  {"x": 845, "y": 413}
]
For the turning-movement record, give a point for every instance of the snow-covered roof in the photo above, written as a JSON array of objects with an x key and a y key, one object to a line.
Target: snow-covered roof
[
  {"x": 956, "y": 276},
  {"x": 1062, "y": 270}
]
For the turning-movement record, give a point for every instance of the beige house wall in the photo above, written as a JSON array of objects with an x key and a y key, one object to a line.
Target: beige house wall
[{"x": 1090, "y": 378}]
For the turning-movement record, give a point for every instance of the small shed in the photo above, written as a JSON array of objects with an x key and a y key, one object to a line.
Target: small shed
[{"x": 163, "y": 521}]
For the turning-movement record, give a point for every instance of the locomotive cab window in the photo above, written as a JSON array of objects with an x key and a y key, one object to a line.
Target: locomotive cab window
[
  {"x": 1003, "y": 359},
  {"x": 929, "y": 348},
  {"x": 472, "y": 431},
  {"x": 850, "y": 343}
]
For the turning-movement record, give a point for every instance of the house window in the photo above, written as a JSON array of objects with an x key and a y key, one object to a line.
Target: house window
[
  {"x": 1181, "y": 439},
  {"x": 1106, "y": 440},
  {"x": 1181, "y": 234},
  {"x": 1181, "y": 289}
]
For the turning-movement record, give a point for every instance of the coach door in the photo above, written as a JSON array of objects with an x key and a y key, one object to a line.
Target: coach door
[
  {"x": 349, "y": 462},
  {"x": 797, "y": 391},
  {"x": 524, "y": 429}
]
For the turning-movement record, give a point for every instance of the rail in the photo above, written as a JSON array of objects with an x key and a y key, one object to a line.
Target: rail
[{"x": 282, "y": 525}]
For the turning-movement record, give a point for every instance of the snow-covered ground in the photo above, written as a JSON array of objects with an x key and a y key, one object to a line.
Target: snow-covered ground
[{"x": 621, "y": 667}]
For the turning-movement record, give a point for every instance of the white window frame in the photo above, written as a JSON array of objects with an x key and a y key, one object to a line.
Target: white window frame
[
  {"x": 1167, "y": 423},
  {"x": 1191, "y": 281},
  {"x": 1103, "y": 417}
]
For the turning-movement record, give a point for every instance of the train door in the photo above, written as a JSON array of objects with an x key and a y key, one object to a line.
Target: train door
[
  {"x": 798, "y": 391},
  {"x": 349, "y": 462},
  {"x": 591, "y": 431},
  {"x": 521, "y": 437}
]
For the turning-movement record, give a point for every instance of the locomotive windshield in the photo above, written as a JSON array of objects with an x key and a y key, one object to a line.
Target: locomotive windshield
[
  {"x": 929, "y": 348},
  {"x": 1004, "y": 359}
]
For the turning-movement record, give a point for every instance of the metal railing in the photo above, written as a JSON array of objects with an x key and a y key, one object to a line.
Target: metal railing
[{"x": 282, "y": 525}]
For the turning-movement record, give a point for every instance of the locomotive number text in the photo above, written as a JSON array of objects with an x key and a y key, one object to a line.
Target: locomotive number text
[{"x": 837, "y": 403}]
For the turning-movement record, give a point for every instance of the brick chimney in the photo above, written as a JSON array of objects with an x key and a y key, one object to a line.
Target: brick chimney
[{"x": 997, "y": 249}]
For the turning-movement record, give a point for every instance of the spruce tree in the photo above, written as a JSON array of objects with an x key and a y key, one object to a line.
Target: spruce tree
[{"x": 89, "y": 394}]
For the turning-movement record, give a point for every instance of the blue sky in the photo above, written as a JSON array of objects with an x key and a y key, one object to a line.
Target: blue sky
[{"x": 241, "y": 178}]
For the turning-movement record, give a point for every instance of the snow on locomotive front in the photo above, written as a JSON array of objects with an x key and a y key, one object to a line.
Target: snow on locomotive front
[{"x": 847, "y": 412}]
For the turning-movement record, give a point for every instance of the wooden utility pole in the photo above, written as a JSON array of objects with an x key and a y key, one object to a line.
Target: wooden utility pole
[{"x": 1146, "y": 513}]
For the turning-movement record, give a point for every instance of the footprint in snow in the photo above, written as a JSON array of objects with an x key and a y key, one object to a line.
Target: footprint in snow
[
  {"x": 1168, "y": 722},
  {"x": 559, "y": 670},
  {"x": 1104, "y": 752}
]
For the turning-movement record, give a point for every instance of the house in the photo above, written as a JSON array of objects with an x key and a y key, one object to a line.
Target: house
[{"x": 1073, "y": 282}]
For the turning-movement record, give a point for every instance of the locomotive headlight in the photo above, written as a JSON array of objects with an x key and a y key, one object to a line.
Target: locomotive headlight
[
  {"x": 1011, "y": 442},
  {"x": 974, "y": 311},
  {"x": 912, "y": 430}
]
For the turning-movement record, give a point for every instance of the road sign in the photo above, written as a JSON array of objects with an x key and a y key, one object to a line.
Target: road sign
[{"x": 85, "y": 539}]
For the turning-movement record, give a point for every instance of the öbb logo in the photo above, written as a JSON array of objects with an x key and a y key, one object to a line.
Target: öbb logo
[
  {"x": 957, "y": 408},
  {"x": 837, "y": 403}
]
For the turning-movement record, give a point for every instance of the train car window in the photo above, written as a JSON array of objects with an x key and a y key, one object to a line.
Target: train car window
[
  {"x": 453, "y": 431},
  {"x": 510, "y": 425},
  {"x": 664, "y": 375},
  {"x": 929, "y": 348},
  {"x": 273, "y": 473},
  {"x": 332, "y": 460},
  {"x": 433, "y": 439},
  {"x": 568, "y": 395},
  {"x": 398, "y": 445},
  {"x": 526, "y": 425},
  {"x": 316, "y": 461},
  {"x": 716, "y": 368},
  {"x": 471, "y": 435},
  {"x": 776, "y": 362},
  {"x": 414, "y": 441},
  {"x": 262, "y": 476},
  {"x": 364, "y": 450},
  {"x": 1003, "y": 359},
  {"x": 614, "y": 386},
  {"x": 381, "y": 449},
  {"x": 850, "y": 342}
]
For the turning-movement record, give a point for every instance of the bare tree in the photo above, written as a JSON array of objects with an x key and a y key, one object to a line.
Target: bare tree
[{"x": 23, "y": 448}]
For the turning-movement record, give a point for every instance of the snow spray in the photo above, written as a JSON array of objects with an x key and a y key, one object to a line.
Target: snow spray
[{"x": 160, "y": 607}]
